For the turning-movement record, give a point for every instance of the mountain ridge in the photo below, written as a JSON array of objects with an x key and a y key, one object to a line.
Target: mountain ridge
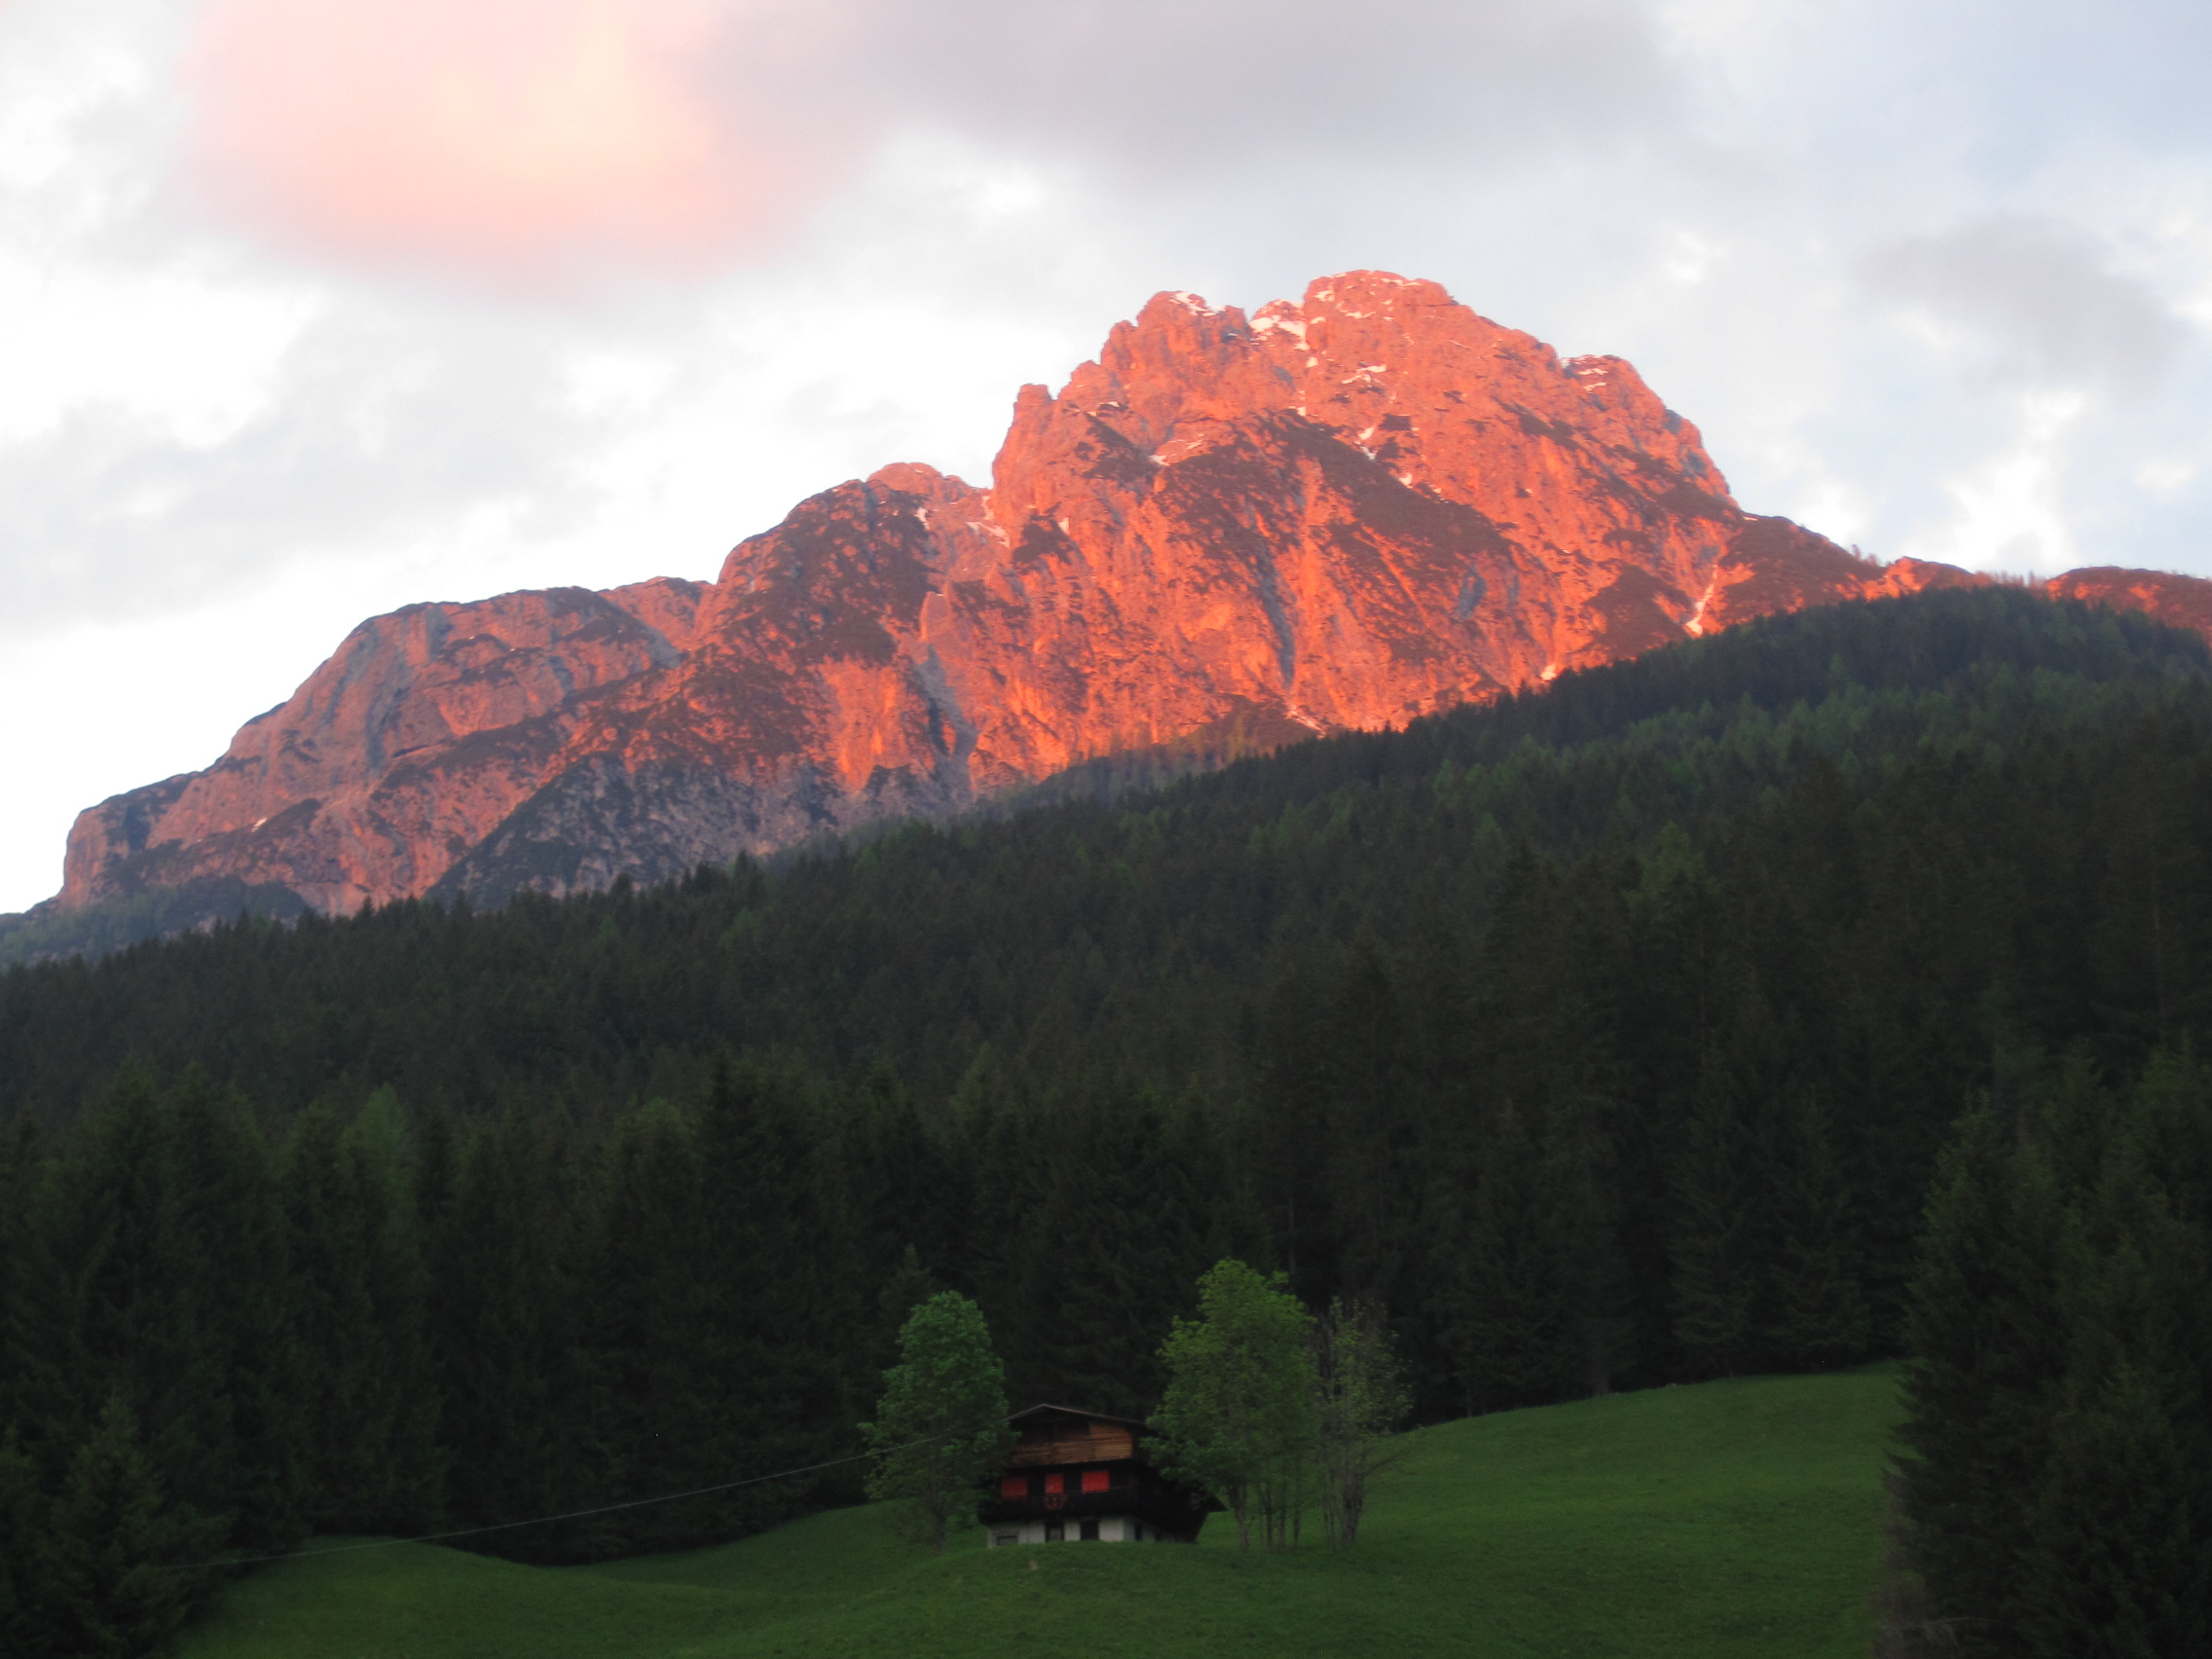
[{"x": 1333, "y": 514}]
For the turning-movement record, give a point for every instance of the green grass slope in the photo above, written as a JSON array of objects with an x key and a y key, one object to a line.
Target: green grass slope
[{"x": 1732, "y": 1518}]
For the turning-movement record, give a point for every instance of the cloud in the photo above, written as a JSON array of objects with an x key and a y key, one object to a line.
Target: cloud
[
  {"x": 371, "y": 437},
  {"x": 2039, "y": 299},
  {"x": 1192, "y": 84},
  {"x": 528, "y": 139},
  {"x": 532, "y": 140}
]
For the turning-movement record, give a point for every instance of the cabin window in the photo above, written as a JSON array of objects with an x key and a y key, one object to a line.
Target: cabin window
[
  {"x": 1090, "y": 1531},
  {"x": 1000, "y": 1540},
  {"x": 1097, "y": 1480},
  {"x": 1055, "y": 1531},
  {"x": 1056, "y": 1483},
  {"x": 1014, "y": 1485}
]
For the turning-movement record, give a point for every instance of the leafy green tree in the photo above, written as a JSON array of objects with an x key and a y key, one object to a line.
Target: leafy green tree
[
  {"x": 1240, "y": 1417},
  {"x": 941, "y": 1429},
  {"x": 1360, "y": 1397}
]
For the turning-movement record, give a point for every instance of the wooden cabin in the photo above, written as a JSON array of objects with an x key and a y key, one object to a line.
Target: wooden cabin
[{"x": 1078, "y": 1476}]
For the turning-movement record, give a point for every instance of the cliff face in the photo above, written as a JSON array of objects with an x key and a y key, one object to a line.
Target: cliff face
[{"x": 1338, "y": 513}]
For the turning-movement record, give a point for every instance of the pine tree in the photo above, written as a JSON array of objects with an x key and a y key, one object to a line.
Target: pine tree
[
  {"x": 219, "y": 1396},
  {"x": 1980, "y": 1389},
  {"x": 369, "y": 1394},
  {"x": 504, "y": 1315},
  {"x": 26, "y": 1535},
  {"x": 1820, "y": 1317},
  {"x": 782, "y": 1289},
  {"x": 650, "y": 1332},
  {"x": 116, "y": 1543},
  {"x": 1711, "y": 1239},
  {"x": 2120, "y": 1558},
  {"x": 2119, "y": 1565},
  {"x": 1108, "y": 1254},
  {"x": 1502, "y": 1295}
]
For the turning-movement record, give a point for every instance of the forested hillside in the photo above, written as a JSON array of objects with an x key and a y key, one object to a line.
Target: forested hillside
[{"x": 1609, "y": 1036}]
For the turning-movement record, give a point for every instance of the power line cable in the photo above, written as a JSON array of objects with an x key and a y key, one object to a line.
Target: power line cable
[{"x": 536, "y": 1520}]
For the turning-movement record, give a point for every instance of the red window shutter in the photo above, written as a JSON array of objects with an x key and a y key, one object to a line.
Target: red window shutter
[
  {"x": 1056, "y": 1483},
  {"x": 1014, "y": 1485},
  {"x": 1097, "y": 1480}
]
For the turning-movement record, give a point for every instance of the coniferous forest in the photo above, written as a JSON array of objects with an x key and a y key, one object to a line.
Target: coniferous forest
[{"x": 1708, "y": 1014}]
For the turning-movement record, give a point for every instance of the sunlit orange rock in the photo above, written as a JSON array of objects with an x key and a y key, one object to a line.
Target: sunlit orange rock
[{"x": 1338, "y": 513}]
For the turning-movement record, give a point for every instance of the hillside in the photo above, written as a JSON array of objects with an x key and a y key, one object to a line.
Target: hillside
[
  {"x": 1608, "y": 1037},
  {"x": 1734, "y": 1518}
]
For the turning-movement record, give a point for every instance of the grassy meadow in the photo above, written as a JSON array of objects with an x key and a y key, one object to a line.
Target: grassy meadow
[{"x": 1734, "y": 1518}]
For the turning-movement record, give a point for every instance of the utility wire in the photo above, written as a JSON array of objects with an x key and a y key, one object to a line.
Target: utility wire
[{"x": 536, "y": 1520}]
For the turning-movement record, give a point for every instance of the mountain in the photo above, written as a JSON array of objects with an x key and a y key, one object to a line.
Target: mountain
[{"x": 1228, "y": 532}]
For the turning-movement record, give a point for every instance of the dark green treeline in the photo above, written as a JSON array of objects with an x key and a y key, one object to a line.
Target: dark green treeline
[
  {"x": 2056, "y": 1497},
  {"x": 1606, "y": 1037}
]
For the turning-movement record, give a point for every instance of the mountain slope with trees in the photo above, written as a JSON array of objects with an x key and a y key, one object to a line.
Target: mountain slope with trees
[{"x": 1602, "y": 1038}]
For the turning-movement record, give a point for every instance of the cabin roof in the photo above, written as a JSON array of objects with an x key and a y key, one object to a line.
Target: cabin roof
[{"x": 1048, "y": 1413}]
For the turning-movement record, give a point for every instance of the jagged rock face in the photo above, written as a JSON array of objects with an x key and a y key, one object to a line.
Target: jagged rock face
[{"x": 1341, "y": 513}]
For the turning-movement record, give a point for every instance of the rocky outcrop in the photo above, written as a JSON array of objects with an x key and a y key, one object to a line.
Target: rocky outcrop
[{"x": 1340, "y": 513}]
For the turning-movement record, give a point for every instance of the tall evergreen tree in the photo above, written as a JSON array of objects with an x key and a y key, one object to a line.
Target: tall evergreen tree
[
  {"x": 783, "y": 1287},
  {"x": 650, "y": 1329},
  {"x": 1107, "y": 1254},
  {"x": 504, "y": 1315},
  {"x": 1502, "y": 1295},
  {"x": 117, "y": 1544},
  {"x": 1979, "y": 1390},
  {"x": 368, "y": 1397},
  {"x": 1818, "y": 1307}
]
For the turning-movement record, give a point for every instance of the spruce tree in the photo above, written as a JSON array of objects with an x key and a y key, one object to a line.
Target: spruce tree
[
  {"x": 369, "y": 1394},
  {"x": 1502, "y": 1293},
  {"x": 780, "y": 1289},
  {"x": 1108, "y": 1254},
  {"x": 1980, "y": 1389},
  {"x": 1817, "y": 1309},
  {"x": 116, "y": 1542},
  {"x": 25, "y": 1537},
  {"x": 651, "y": 1331},
  {"x": 504, "y": 1320}
]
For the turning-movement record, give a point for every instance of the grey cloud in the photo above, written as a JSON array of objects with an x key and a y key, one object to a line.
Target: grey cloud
[
  {"x": 2042, "y": 297},
  {"x": 374, "y": 436},
  {"x": 1155, "y": 86}
]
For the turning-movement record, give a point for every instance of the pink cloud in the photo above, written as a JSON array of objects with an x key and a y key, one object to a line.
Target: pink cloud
[{"x": 526, "y": 139}]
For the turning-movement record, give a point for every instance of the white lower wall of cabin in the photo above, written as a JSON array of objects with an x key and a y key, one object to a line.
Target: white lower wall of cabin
[{"x": 1112, "y": 1529}]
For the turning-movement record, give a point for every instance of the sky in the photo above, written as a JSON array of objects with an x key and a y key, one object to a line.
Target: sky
[{"x": 310, "y": 309}]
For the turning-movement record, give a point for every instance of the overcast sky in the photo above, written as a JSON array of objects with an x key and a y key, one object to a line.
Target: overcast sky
[{"x": 313, "y": 308}]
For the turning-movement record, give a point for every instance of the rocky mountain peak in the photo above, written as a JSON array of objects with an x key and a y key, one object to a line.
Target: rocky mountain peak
[{"x": 1337, "y": 512}]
